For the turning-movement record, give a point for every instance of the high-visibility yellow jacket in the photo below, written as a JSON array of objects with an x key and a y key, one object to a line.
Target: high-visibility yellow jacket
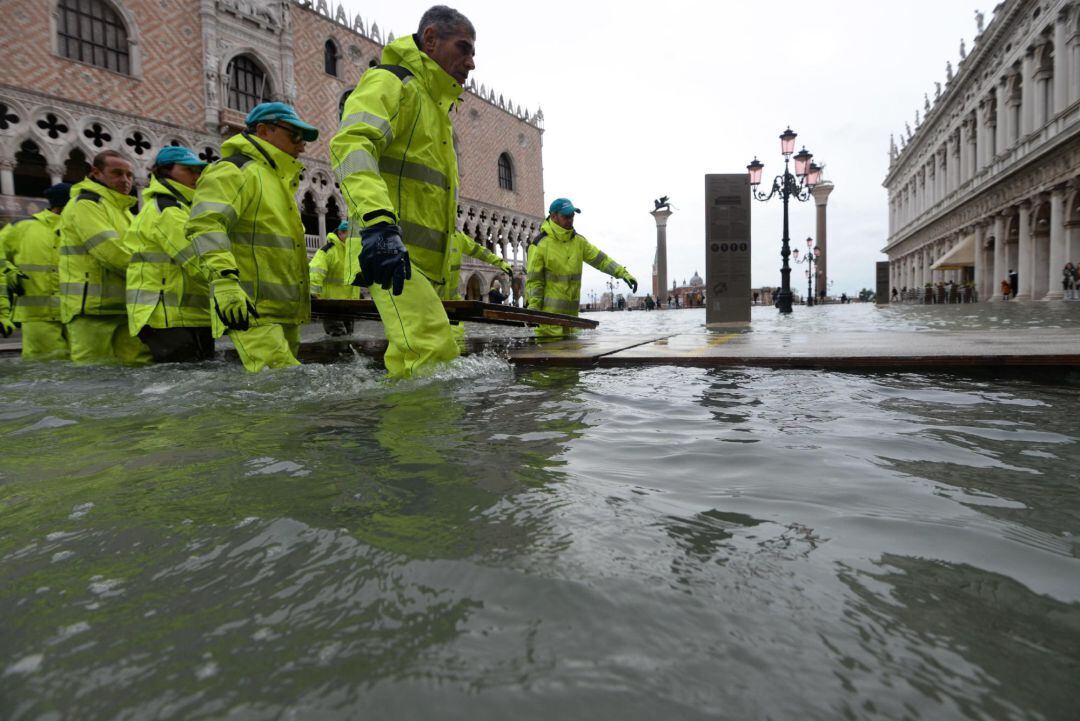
[
  {"x": 244, "y": 217},
  {"x": 395, "y": 152},
  {"x": 159, "y": 293},
  {"x": 327, "y": 272},
  {"x": 93, "y": 257},
  {"x": 33, "y": 247},
  {"x": 553, "y": 282},
  {"x": 462, "y": 244}
]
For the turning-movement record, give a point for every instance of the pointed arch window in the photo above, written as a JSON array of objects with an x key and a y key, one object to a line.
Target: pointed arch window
[
  {"x": 248, "y": 84},
  {"x": 506, "y": 172},
  {"x": 91, "y": 31},
  {"x": 331, "y": 56}
]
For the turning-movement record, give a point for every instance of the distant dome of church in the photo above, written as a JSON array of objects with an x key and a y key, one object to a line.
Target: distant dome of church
[{"x": 696, "y": 280}]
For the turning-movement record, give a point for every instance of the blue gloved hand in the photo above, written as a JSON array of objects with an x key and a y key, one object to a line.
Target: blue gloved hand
[{"x": 384, "y": 261}]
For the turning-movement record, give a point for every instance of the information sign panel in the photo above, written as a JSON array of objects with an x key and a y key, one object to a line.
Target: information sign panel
[{"x": 727, "y": 248}]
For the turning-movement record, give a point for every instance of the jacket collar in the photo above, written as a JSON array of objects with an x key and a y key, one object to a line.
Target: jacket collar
[
  {"x": 117, "y": 200},
  {"x": 440, "y": 84},
  {"x": 557, "y": 232},
  {"x": 173, "y": 188},
  {"x": 284, "y": 165}
]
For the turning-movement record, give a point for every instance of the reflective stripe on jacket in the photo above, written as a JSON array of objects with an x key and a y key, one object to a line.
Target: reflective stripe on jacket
[
  {"x": 461, "y": 245},
  {"x": 244, "y": 217},
  {"x": 327, "y": 272},
  {"x": 33, "y": 246},
  {"x": 93, "y": 257},
  {"x": 395, "y": 152},
  {"x": 159, "y": 293},
  {"x": 554, "y": 268}
]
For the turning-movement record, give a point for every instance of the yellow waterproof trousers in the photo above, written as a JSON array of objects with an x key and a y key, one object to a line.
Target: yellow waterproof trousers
[
  {"x": 416, "y": 326},
  {"x": 267, "y": 346},
  {"x": 553, "y": 332},
  {"x": 44, "y": 340},
  {"x": 105, "y": 339}
]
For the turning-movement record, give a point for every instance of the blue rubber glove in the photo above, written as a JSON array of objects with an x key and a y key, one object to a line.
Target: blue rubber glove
[{"x": 384, "y": 261}]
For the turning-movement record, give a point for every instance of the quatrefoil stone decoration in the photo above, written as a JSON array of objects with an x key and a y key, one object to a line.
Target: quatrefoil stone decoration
[
  {"x": 208, "y": 154},
  {"x": 138, "y": 143},
  {"x": 52, "y": 126},
  {"x": 7, "y": 118},
  {"x": 98, "y": 135}
]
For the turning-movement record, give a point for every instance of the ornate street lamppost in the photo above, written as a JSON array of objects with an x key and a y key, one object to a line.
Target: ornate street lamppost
[
  {"x": 813, "y": 254},
  {"x": 797, "y": 186}
]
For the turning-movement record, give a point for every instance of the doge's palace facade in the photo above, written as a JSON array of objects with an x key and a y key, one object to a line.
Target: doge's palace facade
[
  {"x": 134, "y": 75},
  {"x": 987, "y": 183}
]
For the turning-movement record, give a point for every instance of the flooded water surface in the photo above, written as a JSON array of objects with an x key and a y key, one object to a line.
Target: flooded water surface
[{"x": 495, "y": 543}]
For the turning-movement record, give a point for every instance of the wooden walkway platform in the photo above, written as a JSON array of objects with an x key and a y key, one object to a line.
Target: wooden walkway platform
[{"x": 878, "y": 350}]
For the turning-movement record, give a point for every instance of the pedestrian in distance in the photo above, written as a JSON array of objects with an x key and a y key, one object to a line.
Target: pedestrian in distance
[
  {"x": 246, "y": 237},
  {"x": 31, "y": 247},
  {"x": 1068, "y": 280},
  {"x": 93, "y": 264},
  {"x": 328, "y": 278},
  {"x": 1014, "y": 282},
  {"x": 396, "y": 166},
  {"x": 555, "y": 260},
  {"x": 168, "y": 309}
]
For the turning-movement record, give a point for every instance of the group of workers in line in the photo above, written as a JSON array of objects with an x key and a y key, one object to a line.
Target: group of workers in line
[{"x": 219, "y": 248}]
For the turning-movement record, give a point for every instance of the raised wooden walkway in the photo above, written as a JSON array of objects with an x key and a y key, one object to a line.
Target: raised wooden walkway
[{"x": 877, "y": 350}]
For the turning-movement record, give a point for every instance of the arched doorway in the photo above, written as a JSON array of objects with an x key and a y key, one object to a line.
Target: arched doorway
[
  {"x": 76, "y": 167},
  {"x": 333, "y": 214},
  {"x": 31, "y": 173},
  {"x": 474, "y": 289},
  {"x": 309, "y": 214}
]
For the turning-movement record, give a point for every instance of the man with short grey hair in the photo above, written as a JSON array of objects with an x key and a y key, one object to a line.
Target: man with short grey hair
[{"x": 395, "y": 162}]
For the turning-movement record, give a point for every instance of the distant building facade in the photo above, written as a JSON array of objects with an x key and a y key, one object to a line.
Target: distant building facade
[
  {"x": 987, "y": 183},
  {"x": 134, "y": 75}
]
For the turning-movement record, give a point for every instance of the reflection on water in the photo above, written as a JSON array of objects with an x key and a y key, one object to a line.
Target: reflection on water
[{"x": 198, "y": 543}]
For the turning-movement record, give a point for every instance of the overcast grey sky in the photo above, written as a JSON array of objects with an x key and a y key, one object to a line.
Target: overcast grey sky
[{"x": 642, "y": 100}]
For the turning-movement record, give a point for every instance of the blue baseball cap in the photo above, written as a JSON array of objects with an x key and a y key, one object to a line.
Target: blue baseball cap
[
  {"x": 343, "y": 225},
  {"x": 562, "y": 206},
  {"x": 178, "y": 155},
  {"x": 269, "y": 112}
]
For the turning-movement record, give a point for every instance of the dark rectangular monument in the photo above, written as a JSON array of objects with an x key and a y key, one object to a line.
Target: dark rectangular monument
[
  {"x": 882, "y": 290},
  {"x": 727, "y": 248}
]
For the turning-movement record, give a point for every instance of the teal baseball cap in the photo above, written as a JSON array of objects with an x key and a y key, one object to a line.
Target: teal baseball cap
[
  {"x": 343, "y": 225},
  {"x": 283, "y": 112},
  {"x": 563, "y": 206},
  {"x": 178, "y": 155}
]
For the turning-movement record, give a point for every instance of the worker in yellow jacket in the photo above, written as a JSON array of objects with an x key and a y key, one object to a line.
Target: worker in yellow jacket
[
  {"x": 93, "y": 264},
  {"x": 460, "y": 245},
  {"x": 168, "y": 309},
  {"x": 327, "y": 274},
  {"x": 32, "y": 247},
  {"x": 245, "y": 236},
  {"x": 553, "y": 281},
  {"x": 395, "y": 163}
]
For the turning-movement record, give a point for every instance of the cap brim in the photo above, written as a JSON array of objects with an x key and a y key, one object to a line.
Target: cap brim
[
  {"x": 193, "y": 163},
  {"x": 311, "y": 133}
]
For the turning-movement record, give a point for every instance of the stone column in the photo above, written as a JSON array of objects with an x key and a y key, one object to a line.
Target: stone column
[
  {"x": 1000, "y": 259},
  {"x": 1057, "y": 244},
  {"x": 1026, "y": 250},
  {"x": 980, "y": 262},
  {"x": 322, "y": 222},
  {"x": 1073, "y": 52},
  {"x": 1002, "y": 137},
  {"x": 965, "y": 153},
  {"x": 821, "y": 198},
  {"x": 7, "y": 177},
  {"x": 1061, "y": 65},
  {"x": 661, "y": 216},
  {"x": 1027, "y": 99}
]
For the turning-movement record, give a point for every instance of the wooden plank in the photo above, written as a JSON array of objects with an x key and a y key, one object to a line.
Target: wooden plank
[{"x": 472, "y": 311}]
